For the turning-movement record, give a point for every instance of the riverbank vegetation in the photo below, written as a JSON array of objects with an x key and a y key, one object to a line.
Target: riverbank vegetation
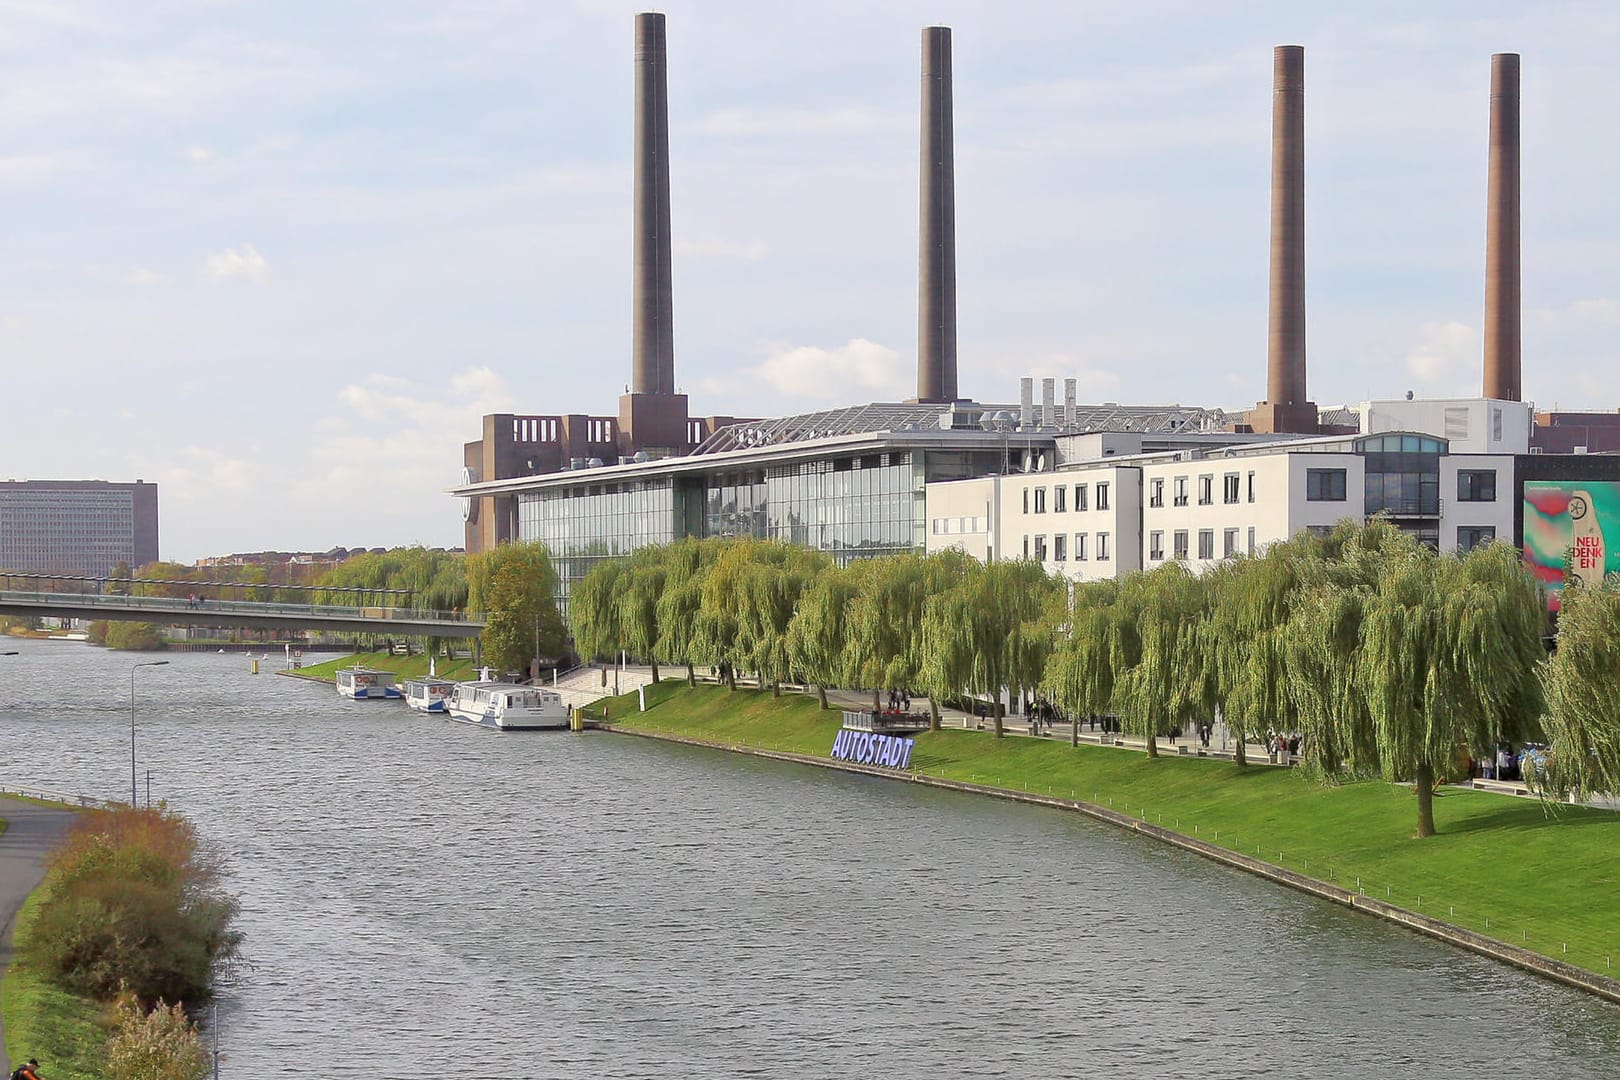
[
  {"x": 406, "y": 667},
  {"x": 131, "y": 919},
  {"x": 1500, "y": 865},
  {"x": 1384, "y": 657}
]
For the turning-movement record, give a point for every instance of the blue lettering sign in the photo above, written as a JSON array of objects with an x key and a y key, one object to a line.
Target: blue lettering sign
[{"x": 867, "y": 748}]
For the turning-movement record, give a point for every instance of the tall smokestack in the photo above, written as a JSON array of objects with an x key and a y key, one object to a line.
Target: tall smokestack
[
  {"x": 653, "y": 356},
  {"x": 1502, "y": 234},
  {"x": 936, "y": 299},
  {"x": 1286, "y": 408}
]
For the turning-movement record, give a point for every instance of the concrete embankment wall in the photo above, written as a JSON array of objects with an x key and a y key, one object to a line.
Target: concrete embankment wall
[{"x": 1545, "y": 966}]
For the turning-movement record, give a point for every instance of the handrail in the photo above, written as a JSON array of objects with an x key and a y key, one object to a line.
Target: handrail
[
  {"x": 84, "y": 801},
  {"x": 170, "y": 603}
]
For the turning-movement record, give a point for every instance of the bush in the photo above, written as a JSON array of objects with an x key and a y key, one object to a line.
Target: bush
[
  {"x": 131, "y": 901},
  {"x": 161, "y": 1044},
  {"x": 134, "y": 636}
]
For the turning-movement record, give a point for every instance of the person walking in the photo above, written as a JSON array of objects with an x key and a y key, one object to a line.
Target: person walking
[{"x": 27, "y": 1071}]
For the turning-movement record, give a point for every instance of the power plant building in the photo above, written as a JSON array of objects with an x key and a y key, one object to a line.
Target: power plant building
[{"x": 1088, "y": 491}]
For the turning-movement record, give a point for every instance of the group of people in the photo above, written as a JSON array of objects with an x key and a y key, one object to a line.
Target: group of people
[
  {"x": 1505, "y": 765},
  {"x": 1281, "y": 747},
  {"x": 899, "y": 700},
  {"x": 194, "y": 601},
  {"x": 28, "y": 1071}
]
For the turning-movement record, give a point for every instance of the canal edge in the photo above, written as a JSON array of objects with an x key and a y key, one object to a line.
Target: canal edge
[{"x": 1504, "y": 952}]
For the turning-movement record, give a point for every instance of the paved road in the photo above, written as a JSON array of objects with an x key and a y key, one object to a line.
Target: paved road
[{"x": 32, "y": 831}]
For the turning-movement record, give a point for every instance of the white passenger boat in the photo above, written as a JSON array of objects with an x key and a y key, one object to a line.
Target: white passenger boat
[
  {"x": 428, "y": 695},
  {"x": 507, "y": 706},
  {"x": 366, "y": 683}
]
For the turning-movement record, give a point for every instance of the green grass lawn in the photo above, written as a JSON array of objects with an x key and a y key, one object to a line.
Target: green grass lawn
[
  {"x": 1503, "y": 866},
  {"x": 63, "y": 1031},
  {"x": 406, "y": 667}
]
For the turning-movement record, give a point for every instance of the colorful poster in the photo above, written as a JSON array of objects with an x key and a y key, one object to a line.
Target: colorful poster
[{"x": 1570, "y": 527}]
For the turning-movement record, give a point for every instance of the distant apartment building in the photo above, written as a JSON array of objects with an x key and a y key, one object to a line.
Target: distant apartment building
[{"x": 76, "y": 527}]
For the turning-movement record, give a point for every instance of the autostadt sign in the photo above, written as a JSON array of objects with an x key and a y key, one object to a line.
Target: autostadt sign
[{"x": 866, "y": 748}]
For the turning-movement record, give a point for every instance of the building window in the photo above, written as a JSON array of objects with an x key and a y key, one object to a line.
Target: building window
[
  {"x": 1080, "y": 502},
  {"x": 1080, "y": 547},
  {"x": 1179, "y": 539},
  {"x": 1040, "y": 548},
  {"x": 1206, "y": 543},
  {"x": 1059, "y": 495},
  {"x": 1229, "y": 543},
  {"x": 1476, "y": 485},
  {"x": 1251, "y": 487},
  {"x": 1229, "y": 488},
  {"x": 1321, "y": 532},
  {"x": 1102, "y": 500},
  {"x": 1156, "y": 492},
  {"x": 939, "y": 526},
  {"x": 1471, "y": 536},
  {"x": 1156, "y": 545},
  {"x": 1026, "y": 500},
  {"x": 1026, "y": 547},
  {"x": 1181, "y": 491},
  {"x": 1251, "y": 539},
  {"x": 1040, "y": 500},
  {"x": 1206, "y": 490},
  {"x": 1060, "y": 546},
  {"x": 1102, "y": 543},
  {"x": 1324, "y": 485}
]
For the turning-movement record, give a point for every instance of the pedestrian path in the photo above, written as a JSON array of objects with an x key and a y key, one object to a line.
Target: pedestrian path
[{"x": 31, "y": 832}]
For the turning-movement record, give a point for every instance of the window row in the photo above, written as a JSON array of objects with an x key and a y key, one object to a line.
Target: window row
[
  {"x": 1035, "y": 501},
  {"x": 1035, "y": 548},
  {"x": 1206, "y": 544},
  {"x": 1232, "y": 489}
]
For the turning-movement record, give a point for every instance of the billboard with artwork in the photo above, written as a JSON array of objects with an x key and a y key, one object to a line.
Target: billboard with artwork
[{"x": 1569, "y": 528}]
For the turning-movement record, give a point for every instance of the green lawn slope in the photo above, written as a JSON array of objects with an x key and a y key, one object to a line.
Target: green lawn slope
[
  {"x": 406, "y": 667},
  {"x": 43, "y": 1021},
  {"x": 1545, "y": 878}
]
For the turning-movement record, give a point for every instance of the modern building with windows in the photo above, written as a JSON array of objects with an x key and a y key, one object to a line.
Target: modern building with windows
[
  {"x": 80, "y": 528},
  {"x": 1111, "y": 506}
]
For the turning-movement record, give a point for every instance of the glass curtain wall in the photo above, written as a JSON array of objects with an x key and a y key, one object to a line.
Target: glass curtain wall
[{"x": 584, "y": 524}]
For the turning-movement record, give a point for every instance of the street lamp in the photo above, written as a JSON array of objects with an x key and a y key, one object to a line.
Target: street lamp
[{"x": 133, "y": 803}]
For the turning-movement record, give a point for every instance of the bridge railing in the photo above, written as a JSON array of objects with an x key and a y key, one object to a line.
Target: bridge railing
[{"x": 168, "y": 604}]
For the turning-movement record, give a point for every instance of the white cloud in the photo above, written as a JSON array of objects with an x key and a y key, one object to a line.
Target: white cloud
[
  {"x": 143, "y": 276},
  {"x": 199, "y": 153},
  {"x": 859, "y": 368},
  {"x": 853, "y": 120},
  {"x": 1441, "y": 348},
  {"x": 399, "y": 441},
  {"x": 203, "y": 474},
  {"x": 723, "y": 249},
  {"x": 244, "y": 262}
]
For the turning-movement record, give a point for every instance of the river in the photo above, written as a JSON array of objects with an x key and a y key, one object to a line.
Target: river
[{"x": 421, "y": 896}]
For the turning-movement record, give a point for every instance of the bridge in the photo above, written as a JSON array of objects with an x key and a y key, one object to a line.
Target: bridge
[{"x": 199, "y": 611}]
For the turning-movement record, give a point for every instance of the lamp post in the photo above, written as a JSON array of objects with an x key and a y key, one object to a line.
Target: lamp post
[{"x": 133, "y": 802}]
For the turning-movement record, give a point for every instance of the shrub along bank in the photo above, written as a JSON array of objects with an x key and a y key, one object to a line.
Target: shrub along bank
[
  {"x": 131, "y": 915},
  {"x": 1510, "y": 868},
  {"x": 406, "y": 667}
]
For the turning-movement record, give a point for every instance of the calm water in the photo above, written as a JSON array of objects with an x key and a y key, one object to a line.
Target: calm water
[{"x": 421, "y": 895}]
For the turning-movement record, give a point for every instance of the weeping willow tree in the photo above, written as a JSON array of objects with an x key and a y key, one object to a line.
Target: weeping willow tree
[
  {"x": 1080, "y": 673},
  {"x": 818, "y": 636},
  {"x": 686, "y": 565},
  {"x": 1166, "y": 685},
  {"x": 637, "y": 592},
  {"x": 1582, "y": 686},
  {"x": 988, "y": 633},
  {"x": 1245, "y": 634},
  {"x": 593, "y": 611},
  {"x": 886, "y": 617},
  {"x": 774, "y": 577},
  {"x": 1450, "y": 648}
]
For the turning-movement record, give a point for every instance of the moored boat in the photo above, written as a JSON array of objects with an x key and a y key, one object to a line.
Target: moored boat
[
  {"x": 367, "y": 684},
  {"x": 428, "y": 695},
  {"x": 507, "y": 706}
]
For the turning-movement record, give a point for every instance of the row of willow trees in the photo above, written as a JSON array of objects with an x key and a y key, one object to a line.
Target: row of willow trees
[{"x": 1386, "y": 657}]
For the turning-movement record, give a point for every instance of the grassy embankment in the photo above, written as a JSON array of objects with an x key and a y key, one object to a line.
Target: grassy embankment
[
  {"x": 63, "y": 1030},
  {"x": 406, "y": 667},
  {"x": 1503, "y": 866}
]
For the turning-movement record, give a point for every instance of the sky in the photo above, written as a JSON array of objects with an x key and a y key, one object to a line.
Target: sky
[{"x": 280, "y": 256}]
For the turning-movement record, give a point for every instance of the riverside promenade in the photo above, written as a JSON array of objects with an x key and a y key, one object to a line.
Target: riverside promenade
[{"x": 32, "y": 830}]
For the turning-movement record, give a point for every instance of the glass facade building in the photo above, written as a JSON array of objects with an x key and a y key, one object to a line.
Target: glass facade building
[{"x": 848, "y": 504}]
